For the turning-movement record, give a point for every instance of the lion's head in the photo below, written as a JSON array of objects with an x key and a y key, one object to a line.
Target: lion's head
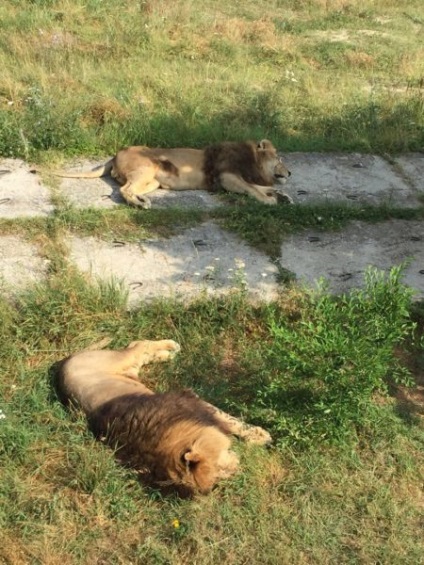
[
  {"x": 203, "y": 460},
  {"x": 271, "y": 163}
]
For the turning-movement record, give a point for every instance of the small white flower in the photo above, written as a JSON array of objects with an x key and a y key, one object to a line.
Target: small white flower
[
  {"x": 210, "y": 268},
  {"x": 264, "y": 274},
  {"x": 290, "y": 76},
  {"x": 217, "y": 259},
  {"x": 197, "y": 274}
]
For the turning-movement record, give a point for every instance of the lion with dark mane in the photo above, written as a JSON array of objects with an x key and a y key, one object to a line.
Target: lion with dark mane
[
  {"x": 247, "y": 168},
  {"x": 175, "y": 439}
]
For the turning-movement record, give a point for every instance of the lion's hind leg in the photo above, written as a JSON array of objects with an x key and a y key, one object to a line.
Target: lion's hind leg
[
  {"x": 238, "y": 428},
  {"x": 140, "y": 353},
  {"x": 134, "y": 191}
]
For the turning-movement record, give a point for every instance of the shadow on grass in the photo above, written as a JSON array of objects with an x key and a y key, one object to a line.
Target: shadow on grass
[
  {"x": 410, "y": 399},
  {"x": 364, "y": 125}
]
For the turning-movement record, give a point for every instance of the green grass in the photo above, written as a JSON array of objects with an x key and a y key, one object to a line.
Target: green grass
[
  {"x": 336, "y": 487},
  {"x": 91, "y": 77},
  {"x": 261, "y": 226},
  {"x": 343, "y": 481}
]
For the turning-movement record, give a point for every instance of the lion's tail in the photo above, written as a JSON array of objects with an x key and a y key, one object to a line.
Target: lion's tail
[{"x": 99, "y": 171}]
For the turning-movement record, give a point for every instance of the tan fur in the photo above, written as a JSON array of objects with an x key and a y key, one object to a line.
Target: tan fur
[
  {"x": 247, "y": 168},
  {"x": 178, "y": 438}
]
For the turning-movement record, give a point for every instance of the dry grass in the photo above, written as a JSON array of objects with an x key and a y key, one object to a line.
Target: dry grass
[{"x": 165, "y": 73}]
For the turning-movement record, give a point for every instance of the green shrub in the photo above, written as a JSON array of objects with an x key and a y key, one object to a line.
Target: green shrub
[{"x": 326, "y": 365}]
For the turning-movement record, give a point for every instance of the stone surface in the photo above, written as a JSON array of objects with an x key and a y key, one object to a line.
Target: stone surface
[
  {"x": 350, "y": 178},
  {"x": 21, "y": 192},
  {"x": 204, "y": 259},
  {"x": 210, "y": 260},
  {"x": 20, "y": 265},
  {"x": 412, "y": 165},
  {"x": 343, "y": 257}
]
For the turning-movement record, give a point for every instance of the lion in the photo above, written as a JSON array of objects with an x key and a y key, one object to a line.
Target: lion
[
  {"x": 174, "y": 439},
  {"x": 247, "y": 168}
]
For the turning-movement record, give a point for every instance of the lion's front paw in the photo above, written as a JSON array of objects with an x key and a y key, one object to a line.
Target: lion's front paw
[
  {"x": 165, "y": 349},
  {"x": 169, "y": 347},
  {"x": 270, "y": 200},
  {"x": 284, "y": 198},
  {"x": 142, "y": 202},
  {"x": 257, "y": 435}
]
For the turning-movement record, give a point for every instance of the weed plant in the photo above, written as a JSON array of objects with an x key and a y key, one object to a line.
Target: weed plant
[{"x": 328, "y": 363}]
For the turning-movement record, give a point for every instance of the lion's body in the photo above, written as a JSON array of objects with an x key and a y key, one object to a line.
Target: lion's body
[
  {"x": 246, "y": 167},
  {"x": 180, "y": 439}
]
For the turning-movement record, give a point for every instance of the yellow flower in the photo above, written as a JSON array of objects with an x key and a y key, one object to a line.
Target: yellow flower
[{"x": 176, "y": 523}]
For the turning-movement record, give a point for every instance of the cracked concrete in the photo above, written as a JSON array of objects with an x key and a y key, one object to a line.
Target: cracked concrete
[
  {"x": 20, "y": 265},
  {"x": 355, "y": 179},
  {"x": 343, "y": 257},
  {"x": 22, "y": 194},
  {"x": 201, "y": 260}
]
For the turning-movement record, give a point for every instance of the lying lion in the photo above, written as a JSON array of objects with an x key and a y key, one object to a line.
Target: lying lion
[
  {"x": 247, "y": 168},
  {"x": 178, "y": 438}
]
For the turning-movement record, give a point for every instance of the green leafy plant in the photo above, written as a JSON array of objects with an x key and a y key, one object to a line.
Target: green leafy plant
[{"x": 326, "y": 366}]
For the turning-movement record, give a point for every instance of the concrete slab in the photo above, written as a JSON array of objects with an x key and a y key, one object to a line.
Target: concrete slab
[
  {"x": 21, "y": 192},
  {"x": 204, "y": 259},
  {"x": 412, "y": 165},
  {"x": 342, "y": 257},
  {"x": 355, "y": 179},
  {"x": 104, "y": 193},
  {"x": 20, "y": 266}
]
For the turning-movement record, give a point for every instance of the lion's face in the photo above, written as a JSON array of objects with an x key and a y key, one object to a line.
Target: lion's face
[
  {"x": 281, "y": 172},
  {"x": 207, "y": 466},
  {"x": 272, "y": 165}
]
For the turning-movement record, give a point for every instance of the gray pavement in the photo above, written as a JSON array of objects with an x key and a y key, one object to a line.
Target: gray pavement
[{"x": 207, "y": 259}]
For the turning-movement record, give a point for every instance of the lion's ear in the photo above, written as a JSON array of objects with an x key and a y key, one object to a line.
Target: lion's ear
[
  {"x": 264, "y": 144},
  {"x": 190, "y": 457}
]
